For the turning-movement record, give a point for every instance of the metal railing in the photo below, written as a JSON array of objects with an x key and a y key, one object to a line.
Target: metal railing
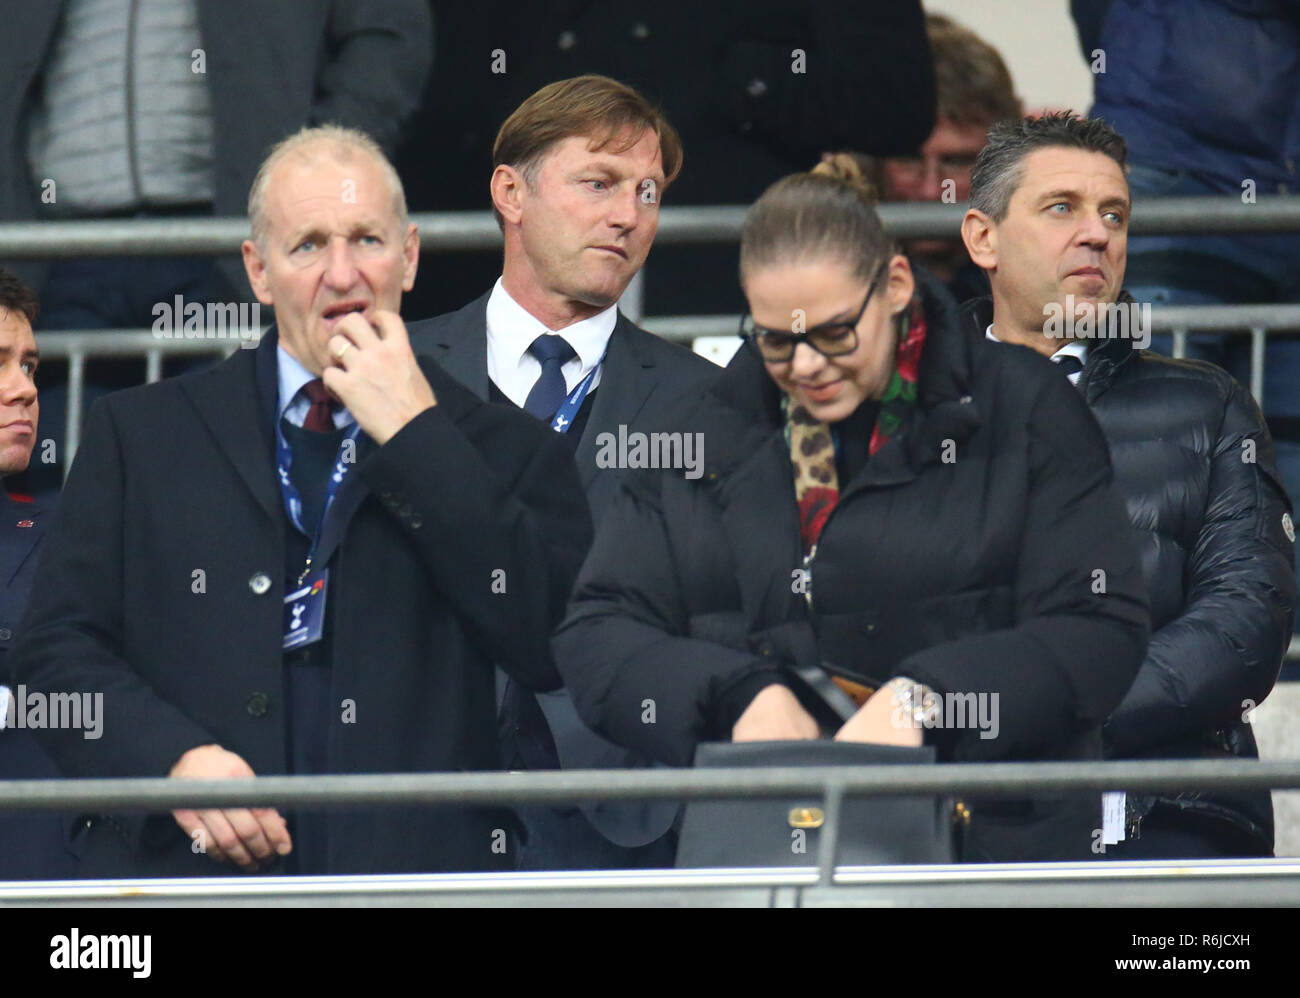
[
  {"x": 450, "y": 231},
  {"x": 470, "y": 231},
  {"x": 1255, "y": 321},
  {"x": 1262, "y": 881}
]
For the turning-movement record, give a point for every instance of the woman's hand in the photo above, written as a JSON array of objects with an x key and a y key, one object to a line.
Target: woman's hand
[
  {"x": 882, "y": 721},
  {"x": 775, "y": 715}
]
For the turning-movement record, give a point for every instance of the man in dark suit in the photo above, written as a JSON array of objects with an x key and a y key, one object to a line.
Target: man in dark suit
[
  {"x": 580, "y": 167},
  {"x": 31, "y": 845},
  {"x": 307, "y": 559}
]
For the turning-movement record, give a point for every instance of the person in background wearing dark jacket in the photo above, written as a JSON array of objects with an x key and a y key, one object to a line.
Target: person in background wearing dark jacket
[
  {"x": 1193, "y": 460},
  {"x": 881, "y": 496},
  {"x": 755, "y": 89},
  {"x": 31, "y": 845},
  {"x": 579, "y": 171},
  {"x": 974, "y": 90}
]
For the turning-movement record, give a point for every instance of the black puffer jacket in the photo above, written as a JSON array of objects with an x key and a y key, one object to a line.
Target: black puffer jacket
[
  {"x": 1194, "y": 461},
  {"x": 974, "y": 575}
]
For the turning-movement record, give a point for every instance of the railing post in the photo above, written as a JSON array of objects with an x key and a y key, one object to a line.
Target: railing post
[
  {"x": 1257, "y": 344},
  {"x": 829, "y": 844},
  {"x": 632, "y": 304},
  {"x": 76, "y": 385}
]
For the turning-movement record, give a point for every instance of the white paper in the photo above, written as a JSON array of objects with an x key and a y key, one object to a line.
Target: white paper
[{"x": 1112, "y": 817}]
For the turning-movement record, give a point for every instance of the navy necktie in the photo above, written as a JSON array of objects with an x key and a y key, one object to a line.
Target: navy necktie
[
  {"x": 1069, "y": 363},
  {"x": 549, "y": 391}
]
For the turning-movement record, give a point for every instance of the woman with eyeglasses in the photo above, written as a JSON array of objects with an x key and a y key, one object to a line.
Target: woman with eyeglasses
[{"x": 889, "y": 507}]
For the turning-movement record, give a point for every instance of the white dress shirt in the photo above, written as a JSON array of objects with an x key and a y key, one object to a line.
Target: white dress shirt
[
  {"x": 1072, "y": 348},
  {"x": 511, "y": 329}
]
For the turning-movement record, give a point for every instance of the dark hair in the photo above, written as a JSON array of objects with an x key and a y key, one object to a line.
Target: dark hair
[
  {"x": 590, "y": 105},
  {"x": 999, "y": 166},
  {"x": 16, "y": 296},
  {"x": 972, "y": 81},
  {"x": 829, "y": 211}
]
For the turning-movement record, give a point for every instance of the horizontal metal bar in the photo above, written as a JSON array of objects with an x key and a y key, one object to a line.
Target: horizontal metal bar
[
  {"x": 477, "y": 230},
  {"x": 1238, "y": 319},
  {"x": 1141, "y": 884},
  {"x": 139, "y": 343},
  {"x": 1217, "y": 320},
  {"x": 341, "y": 791},
  {"x": 1212, "y": 319}
]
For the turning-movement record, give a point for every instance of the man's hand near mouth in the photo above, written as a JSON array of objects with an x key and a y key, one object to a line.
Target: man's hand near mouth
[{"x": 375, "y": 375}]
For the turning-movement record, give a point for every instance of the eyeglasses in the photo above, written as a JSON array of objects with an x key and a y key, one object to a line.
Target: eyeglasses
[
  {"x": 915, "y": 167},
  {"x": 831, "y": 339}
]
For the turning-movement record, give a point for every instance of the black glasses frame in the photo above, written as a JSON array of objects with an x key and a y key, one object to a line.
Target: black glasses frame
[{"x": 751, "y": 332}]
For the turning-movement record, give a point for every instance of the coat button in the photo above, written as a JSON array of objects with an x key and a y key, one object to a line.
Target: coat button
[
  {"x": 260, "y": 583},
  {"x": 256, "y": 705},
  {"x": 5, "y": 634}
]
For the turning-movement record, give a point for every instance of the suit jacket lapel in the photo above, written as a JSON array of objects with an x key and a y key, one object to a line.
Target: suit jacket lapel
[
  {"x": 237, "y": 402},
  {"x": 627, "y": 379},
  {"x": 460, "y": 347},
  {"x": 346, "y": 502},
  {"x": 353, "y": 492},
  {"x": 19, "y": 541}
]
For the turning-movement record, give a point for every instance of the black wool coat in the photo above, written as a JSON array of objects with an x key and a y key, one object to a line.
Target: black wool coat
[
  {"x": 643, "y": 379},
  {"x": 451, "y": 547},
  {"x": 977, "y": 574},
  {"x": 1195, "y": 466}
]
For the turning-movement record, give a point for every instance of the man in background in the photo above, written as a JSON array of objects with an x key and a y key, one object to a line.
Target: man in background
[{"x": 974, "y": 90}]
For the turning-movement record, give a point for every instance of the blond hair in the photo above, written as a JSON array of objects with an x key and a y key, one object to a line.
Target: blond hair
[{"x": 827, "y": 213}]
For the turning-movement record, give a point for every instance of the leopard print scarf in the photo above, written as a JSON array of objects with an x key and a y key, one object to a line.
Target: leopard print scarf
[{"x": 812, "y": 443}]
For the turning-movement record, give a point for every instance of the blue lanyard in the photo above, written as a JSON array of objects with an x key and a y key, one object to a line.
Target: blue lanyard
[
  {"x": 564, "y": 415},
  {"x": 293, "y": 500}
]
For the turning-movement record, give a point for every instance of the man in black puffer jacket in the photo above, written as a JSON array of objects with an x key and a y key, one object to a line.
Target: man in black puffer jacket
[{"x": 1192, "y": 458}]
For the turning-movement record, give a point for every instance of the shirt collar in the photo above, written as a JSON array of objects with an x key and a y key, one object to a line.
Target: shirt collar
[
  {"x": 1071, "y": 348},
  {"x": 511, "y": 328},
  {"x": 292, "y": 376}
]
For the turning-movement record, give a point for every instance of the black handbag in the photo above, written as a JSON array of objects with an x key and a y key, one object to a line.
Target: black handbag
[{"x": 786, "y": 831}]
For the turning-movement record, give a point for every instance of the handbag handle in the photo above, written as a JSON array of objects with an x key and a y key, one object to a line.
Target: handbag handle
[{"x": 819, "y": 682}]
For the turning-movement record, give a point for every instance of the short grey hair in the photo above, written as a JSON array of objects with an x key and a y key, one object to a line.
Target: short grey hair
[
  {"x": 999, "y": 167},
  {"x": 334, "y": 141}
]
